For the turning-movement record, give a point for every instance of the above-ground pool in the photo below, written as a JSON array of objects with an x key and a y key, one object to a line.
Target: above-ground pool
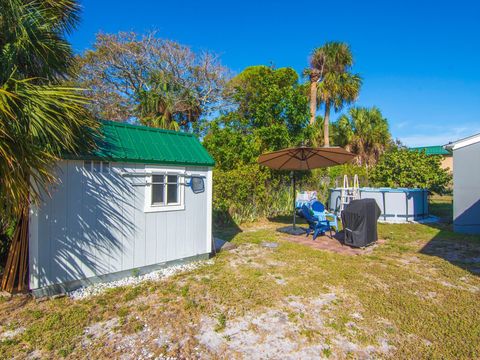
[{"x": 398, "y": 205}]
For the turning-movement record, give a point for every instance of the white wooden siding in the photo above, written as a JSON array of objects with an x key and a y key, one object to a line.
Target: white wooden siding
[{"x": 94, "y": 224}]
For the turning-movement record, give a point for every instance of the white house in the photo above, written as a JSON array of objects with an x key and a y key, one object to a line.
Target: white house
[
  {"x": 141, "y": 201},
  {"x": 466, "y": 184}
]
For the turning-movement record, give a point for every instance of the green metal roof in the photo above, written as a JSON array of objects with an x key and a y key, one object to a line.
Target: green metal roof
[
  {"x": 431, "y": 150},
  {"x": 121, "y": 142}
]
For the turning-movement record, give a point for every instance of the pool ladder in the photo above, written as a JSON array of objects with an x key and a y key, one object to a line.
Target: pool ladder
[{"x": 348, "y": 193}]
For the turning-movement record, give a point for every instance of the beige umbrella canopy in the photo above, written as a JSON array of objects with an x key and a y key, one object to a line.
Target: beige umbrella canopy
[
  {"x": 300, "y": 159},
  {"x": 305, "y": 158}
]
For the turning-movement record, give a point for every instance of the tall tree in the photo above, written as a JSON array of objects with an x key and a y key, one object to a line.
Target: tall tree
[
  {"x": 39, "y": 119},
  {"x": 268, "y": 110},
  {"x": 329, "y": 73},
  {"x": 364, "y": 132},
  {"x": 159, "y": 82},
  {"x": 336, "y": 91}
]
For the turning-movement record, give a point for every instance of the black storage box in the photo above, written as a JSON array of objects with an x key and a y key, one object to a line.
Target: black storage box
[{"x": 360, "y": 222}]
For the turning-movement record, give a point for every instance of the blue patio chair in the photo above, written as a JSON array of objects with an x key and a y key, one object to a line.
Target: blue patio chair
[
  {"x": 315, "y": 225},
  {"x": 319, "y": 211}
]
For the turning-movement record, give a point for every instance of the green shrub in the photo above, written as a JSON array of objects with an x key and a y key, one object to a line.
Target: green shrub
[
  {"x": 405, "y": 168},
  {"x": 250, "y": 192}
]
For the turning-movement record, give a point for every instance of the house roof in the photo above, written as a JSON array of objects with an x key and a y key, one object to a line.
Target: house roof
[
  {"x": 431, "y": 150},
  {"x": 473, "y": 139},
  {"x": 121, "y": 142}
]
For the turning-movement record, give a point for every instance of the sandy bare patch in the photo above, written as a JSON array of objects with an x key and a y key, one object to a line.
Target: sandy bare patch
[
  {"x": 254, "y": 256},
  {"x": 409, "y": 260},
  {"x": 10, "y": 334},
  {"x": 98, "y": 330},
  {"x": 297, "y": 329}
]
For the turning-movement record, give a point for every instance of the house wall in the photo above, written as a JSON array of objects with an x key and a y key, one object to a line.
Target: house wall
[
  {"x": 466, "y": 189},
  {"x": 94, "y": 224}
]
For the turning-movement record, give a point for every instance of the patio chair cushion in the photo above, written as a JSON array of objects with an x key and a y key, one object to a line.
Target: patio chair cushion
[{"x": 317, "y": 206}]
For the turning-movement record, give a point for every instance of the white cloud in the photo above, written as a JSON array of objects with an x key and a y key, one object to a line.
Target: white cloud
[
  {"x": 401, "y": 124},
  {"x": 439, "y": 135}
]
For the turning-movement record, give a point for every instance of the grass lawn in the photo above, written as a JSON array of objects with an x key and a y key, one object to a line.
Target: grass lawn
[{"x": 415, "y": 296}]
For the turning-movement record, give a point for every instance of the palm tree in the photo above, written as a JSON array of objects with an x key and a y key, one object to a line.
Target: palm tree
[
  {"x": 364, "y": 132},
  {"x": 329, "y": 71},
  {"x": 39, "y": 118},
  {"x": 157, "y": 110},
  {"x": 337, "y": 90},
  {"x": 314, "y": 132},
  {"x": 314, "y": 79},
  {"x": 166, "y": 104}
]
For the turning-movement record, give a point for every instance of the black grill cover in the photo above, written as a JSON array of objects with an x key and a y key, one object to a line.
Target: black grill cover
[{"x": 360, "y": 222}]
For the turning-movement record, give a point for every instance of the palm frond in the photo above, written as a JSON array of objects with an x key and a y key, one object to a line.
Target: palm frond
[{"x": 40, "y": 120}]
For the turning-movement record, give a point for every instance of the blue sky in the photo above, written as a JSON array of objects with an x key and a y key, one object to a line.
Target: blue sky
[{"x": 419, "y": 60}]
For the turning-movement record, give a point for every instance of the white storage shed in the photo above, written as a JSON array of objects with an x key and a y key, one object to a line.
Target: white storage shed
[{"x": 141, "y": 201}]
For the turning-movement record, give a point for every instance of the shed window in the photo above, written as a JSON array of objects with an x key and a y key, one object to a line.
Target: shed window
[
  {"x": 158, "y": 190},
  {"x": 164, "y": 192},
  {"x": 172, "y": 189}
]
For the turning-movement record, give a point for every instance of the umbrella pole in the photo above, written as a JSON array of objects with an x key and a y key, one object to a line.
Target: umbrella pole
[{"x": 294, "y": 196}]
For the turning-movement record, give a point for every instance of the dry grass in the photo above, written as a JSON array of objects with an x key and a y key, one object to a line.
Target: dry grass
[{"x": 416, "y": 296}]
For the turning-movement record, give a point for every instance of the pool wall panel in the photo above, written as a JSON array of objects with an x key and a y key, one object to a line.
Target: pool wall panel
[{"x": 396, "y": 205}]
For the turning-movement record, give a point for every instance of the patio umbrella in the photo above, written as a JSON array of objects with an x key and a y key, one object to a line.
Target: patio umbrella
[{"x": 304, "y": 158}]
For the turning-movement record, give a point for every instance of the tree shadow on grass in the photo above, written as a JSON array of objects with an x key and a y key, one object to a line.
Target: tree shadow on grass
[
  {"x": 224, "y": 227},
  {"x": 458, "y": 249},
  {"x": 443, "y": 209},
  {"x": 461, "y": 250},
  {"x": 286, "y": 220}
]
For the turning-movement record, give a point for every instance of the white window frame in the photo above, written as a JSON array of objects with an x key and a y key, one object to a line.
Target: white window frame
[{"x": 180, "y": 172}]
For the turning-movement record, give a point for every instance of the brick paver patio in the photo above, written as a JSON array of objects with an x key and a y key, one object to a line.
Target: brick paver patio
[{"x": 326, "y": 243}]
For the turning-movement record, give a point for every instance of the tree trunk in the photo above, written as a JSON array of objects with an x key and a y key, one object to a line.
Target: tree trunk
[
  {"x": 16, "y": 269},
  {"x": 314, "y": 76},
  {"x": 326, "y": 123},
  {"x": 313, "y": 102}
]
